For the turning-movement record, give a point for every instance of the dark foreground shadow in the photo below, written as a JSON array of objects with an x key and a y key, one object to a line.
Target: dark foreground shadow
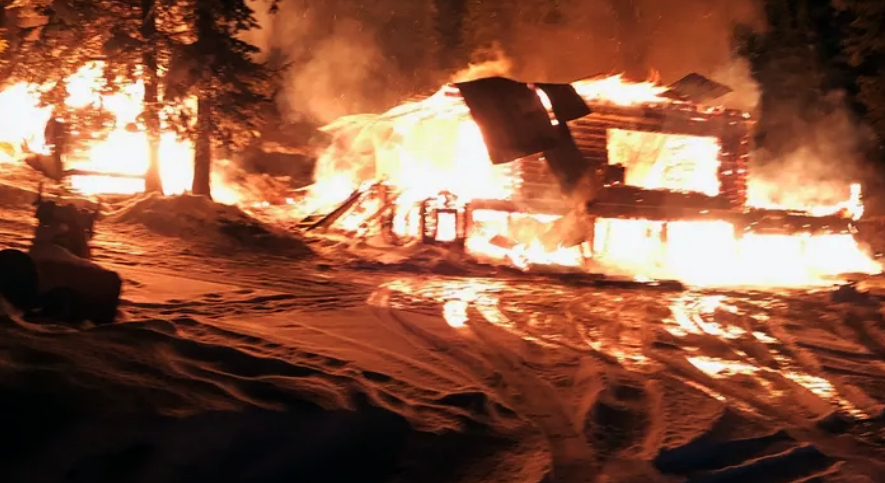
[{"x": 44, "y": 440}]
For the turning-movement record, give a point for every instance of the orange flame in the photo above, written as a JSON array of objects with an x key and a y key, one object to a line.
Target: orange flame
[
  {"x": 422, "y": 148},
  {"x": 123, "y": 152}
]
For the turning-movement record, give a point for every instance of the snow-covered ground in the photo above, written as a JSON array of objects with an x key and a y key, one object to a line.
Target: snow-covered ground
[{"x": 238, "y": 360}]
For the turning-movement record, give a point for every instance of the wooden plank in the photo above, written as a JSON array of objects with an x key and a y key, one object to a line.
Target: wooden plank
[{"x": 86, "y": 172}]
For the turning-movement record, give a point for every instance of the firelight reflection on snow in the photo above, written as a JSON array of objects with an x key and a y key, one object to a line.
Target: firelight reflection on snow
[{"x": 712, "y": 330}]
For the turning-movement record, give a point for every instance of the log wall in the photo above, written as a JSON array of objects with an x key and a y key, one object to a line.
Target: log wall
[{"x": 731, "y": 127}]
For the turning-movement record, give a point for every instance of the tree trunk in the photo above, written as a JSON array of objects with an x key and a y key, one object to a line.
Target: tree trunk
[
  {"x": 203, "y": 146},
  {"x": 153, "y": 182},
  {"x": 203, "y": 153}
]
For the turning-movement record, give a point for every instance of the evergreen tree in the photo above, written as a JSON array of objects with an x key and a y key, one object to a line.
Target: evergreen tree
[
  {"x": 77, "y": 32},
  {"x": 133, "y": 52},
  {"x": 865, "y": 46},
  {"x": 217, "y": 68},
  {"x": 194, "y": 40},
  {"x": 787, "y": 66}
]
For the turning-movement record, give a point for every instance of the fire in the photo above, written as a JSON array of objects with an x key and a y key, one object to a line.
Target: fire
[
  {"x": 431, "y": 154},
  {"x": 423, "y": 168},
  {"x": 115, "y": 164}
]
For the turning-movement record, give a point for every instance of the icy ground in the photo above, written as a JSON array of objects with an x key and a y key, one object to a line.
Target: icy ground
[{"x": 242, "y": 363}]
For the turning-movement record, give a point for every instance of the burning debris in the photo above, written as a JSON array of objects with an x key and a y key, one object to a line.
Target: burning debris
[{"x": 598, "y": 174}]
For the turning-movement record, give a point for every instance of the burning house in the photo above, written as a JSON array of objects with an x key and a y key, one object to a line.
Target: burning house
[
  {"x": 600, "y": 174},
  {"x": 601, "y": 171}
]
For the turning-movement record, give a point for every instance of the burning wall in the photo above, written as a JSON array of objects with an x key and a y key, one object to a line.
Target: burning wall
[{"x": 666, "y": 161}]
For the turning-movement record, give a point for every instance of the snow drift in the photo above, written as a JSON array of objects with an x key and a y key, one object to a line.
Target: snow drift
[{"x": 197, "y": 217}]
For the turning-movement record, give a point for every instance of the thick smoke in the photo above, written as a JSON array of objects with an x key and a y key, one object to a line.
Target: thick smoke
[
  {"x": 567, "y": 40},
  {"x": 489, "y": 62},
  {"x": 346, "y": 57},
  {"x": 349, "y": 57},
  {"x": 824, "y": 160},
  {"x": 737, "y": 74}
]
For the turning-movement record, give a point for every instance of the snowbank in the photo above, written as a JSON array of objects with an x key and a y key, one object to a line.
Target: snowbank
[{"x": 197, "y": 217}]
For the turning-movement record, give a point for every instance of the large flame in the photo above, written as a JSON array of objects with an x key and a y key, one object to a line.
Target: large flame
[
  {"x": 117, "y": 163},
  {"x": 426, "y": 147},
  {"x": 431, "y": 149}
]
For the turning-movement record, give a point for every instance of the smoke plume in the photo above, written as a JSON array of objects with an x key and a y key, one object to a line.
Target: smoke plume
[
  {"x": 344, "y": 57},
  {"x": 489, "y": 62},
  {"x": 823, "y": 159},
  {"x": 348, "y": 57},
  {"x": 746, "y": 92}
]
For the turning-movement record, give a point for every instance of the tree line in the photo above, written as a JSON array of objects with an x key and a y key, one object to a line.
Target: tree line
[{"x": 810, "y": 50}]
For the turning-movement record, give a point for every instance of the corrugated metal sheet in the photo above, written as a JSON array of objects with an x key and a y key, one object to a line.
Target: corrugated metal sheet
[{"x": 513, "y": 121}]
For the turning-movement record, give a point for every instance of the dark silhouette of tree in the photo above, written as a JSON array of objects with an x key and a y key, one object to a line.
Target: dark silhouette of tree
[
  {"x": 787, "y": 65},
  {"x": 231, "y": 87},
  {"x": 865, "y": 47},
  {"x": 487, "y": 30}
]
